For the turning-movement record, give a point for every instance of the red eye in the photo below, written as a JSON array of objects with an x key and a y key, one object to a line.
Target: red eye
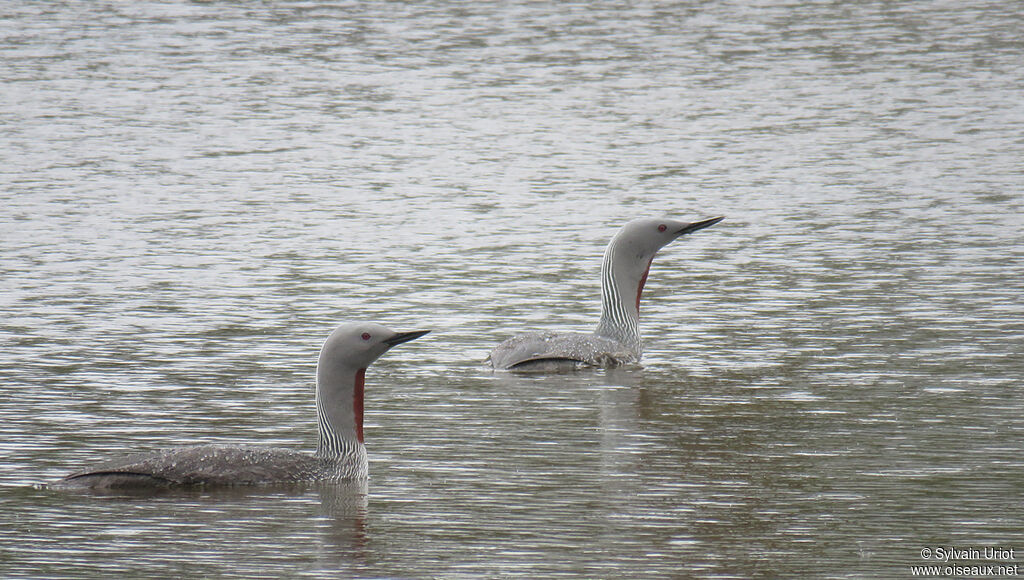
[
  {"x": 366, "y": 336},
  {"x": 662, "y": 228}
]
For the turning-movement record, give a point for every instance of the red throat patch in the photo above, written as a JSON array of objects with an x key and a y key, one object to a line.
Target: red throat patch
[
  {"x": 640, "y": 287},
  {"x": 357, "y": 402}
]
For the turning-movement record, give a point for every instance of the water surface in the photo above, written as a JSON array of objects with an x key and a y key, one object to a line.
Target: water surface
[{"x": 195, "y": 193}]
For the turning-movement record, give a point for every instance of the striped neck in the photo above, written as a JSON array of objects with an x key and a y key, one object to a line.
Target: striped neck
[
  {"x": 339, "y": 412},
  {"x": 621, "y": 286}
]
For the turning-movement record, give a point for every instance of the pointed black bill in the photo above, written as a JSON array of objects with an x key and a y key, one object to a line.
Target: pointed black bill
[
  {"x": 689, "y": 229},
  {"x": 401, "y": 337}
]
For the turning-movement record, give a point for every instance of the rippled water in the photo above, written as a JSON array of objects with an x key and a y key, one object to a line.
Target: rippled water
[{"x": 194, "y": 194}]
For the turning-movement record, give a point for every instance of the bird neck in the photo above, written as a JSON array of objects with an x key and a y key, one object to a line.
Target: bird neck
[
  {"x": 623, "y": 274},
  {"x": 339, "y": 411}
]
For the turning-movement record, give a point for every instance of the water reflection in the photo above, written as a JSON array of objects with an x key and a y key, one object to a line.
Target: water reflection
[{"x": 249, "y": 530}]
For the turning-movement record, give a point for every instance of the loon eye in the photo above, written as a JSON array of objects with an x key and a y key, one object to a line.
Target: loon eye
[
  {"x": 366, "y": 336},
  {"x": 662, "y": 228}
]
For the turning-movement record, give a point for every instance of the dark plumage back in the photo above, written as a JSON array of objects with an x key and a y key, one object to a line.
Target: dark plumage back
[
  {"x": 204, "y": 465},
  {"x": 546, "y": 351}
]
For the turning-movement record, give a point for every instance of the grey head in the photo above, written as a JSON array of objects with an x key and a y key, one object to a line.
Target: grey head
[
  {"x": 340, "y": 456},
  {"x": 616, "y": 341},
  {"x": 355, "y": 345}
]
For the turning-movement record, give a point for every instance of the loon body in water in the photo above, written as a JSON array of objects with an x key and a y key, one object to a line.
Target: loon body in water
[
  {"x": 627, "y": 260},
  {"x": 340, "y": 454}
]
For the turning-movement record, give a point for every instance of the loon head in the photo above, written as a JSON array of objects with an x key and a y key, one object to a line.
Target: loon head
[
  {"x": 641, "y": 239},
  {"x": 357, "y": 344}
]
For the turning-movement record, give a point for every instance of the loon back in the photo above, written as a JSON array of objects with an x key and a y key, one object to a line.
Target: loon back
[
  {"x": 212, "y": 465},
  {"x": 551, "y": 351}
]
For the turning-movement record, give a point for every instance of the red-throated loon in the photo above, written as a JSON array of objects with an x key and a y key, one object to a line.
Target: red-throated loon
[
  {"x": 616, "y": 341},
  {"x": 340, "y": 453}
]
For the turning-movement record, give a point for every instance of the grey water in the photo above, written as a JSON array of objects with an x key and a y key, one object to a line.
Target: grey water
[{"x": 195, "y": 193}]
